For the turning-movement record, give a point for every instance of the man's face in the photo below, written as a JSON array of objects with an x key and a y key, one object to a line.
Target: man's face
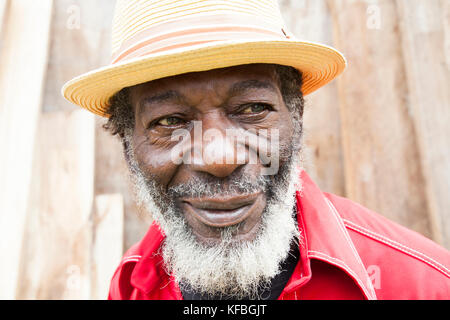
[
  {"x": 228, "y": 223},
  {"x": 237, "y": 98}
]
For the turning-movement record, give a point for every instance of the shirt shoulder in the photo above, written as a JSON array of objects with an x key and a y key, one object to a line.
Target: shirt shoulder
[
  {"x": 140, "y": 275},
  {"x": 401, "y": 263},
  {"x": 120, "y": 286}
]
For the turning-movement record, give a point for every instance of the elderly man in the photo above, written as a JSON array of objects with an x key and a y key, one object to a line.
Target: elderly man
[{"x": 207, "y": 98}]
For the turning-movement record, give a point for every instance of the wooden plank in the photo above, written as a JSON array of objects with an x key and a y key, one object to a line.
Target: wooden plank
[
  {"x": 108, "y": 242},
  {"x": 323, "y": 153},
  {"x": 425, "y": 29},
  {"x": 112, "y": 176},
  {"x": 57, "y": 250},
  {"x": 80, "y": 43},
  {"x": 382, "y": 171},
  {"x": 23, "y": 61},
  {"x": 3, "y": 8}
]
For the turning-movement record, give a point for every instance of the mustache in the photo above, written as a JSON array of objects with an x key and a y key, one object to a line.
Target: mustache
[{"x": 206, "y": 185}]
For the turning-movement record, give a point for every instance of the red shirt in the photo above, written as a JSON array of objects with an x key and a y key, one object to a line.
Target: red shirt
[{"x": 346, "y": 252}]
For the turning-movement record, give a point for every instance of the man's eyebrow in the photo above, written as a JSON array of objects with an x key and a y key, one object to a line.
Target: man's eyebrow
[
  {"x": 161, "y": 97},
  {"x": 246, "y": 85},
  {"x": 236, "y": 89}
]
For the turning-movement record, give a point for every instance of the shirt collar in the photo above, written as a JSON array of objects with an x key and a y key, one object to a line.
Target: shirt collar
[
  {"x": 148, "y": 273},
  {"x": 323, "y": 237}
]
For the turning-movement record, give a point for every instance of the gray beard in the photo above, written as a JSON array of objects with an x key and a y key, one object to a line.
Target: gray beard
[{"x": 232, "y": 269}]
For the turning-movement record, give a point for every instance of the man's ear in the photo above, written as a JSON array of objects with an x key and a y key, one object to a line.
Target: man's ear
[
  {"x": 128, "y": 155},
  {"x": 126, "y": 151}
]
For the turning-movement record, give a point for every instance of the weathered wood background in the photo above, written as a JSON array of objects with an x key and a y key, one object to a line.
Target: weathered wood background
[{"x": 379, "y": 135}]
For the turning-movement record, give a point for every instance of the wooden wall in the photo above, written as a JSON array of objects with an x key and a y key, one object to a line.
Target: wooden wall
[{"x": 378, "y": 135}]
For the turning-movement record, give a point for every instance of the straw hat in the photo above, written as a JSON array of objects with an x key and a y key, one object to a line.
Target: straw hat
[{"x": 153, "y": 39}]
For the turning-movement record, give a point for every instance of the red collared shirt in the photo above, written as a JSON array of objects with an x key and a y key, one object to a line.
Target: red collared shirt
[{"x": 346, "y": 252}]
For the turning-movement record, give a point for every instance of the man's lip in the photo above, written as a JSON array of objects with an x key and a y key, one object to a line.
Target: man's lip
[
  {"x": 222, "y": 203},
  {"x": 224, "y": 211}
]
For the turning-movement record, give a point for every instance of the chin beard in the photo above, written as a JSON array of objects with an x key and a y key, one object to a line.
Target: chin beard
[{"x": 229, "y": 268}]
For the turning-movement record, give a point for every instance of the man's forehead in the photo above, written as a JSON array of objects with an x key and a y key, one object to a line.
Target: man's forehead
[{"x": 250, "y": 76}]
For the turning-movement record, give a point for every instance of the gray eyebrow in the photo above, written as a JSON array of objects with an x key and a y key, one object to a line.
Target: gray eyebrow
[
  {"x": 162, "y": 97},
  {"x": 236, "y": 89},
  {"x": 246, "y": 85}
]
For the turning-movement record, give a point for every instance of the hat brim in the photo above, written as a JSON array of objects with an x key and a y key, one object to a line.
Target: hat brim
[{"x": 319, "y": 64}]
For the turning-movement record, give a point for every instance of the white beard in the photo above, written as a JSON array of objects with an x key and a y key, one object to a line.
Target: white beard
[{"x": 230, "y": 268}]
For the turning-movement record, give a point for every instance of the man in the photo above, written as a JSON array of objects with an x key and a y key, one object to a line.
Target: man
[{"x": 207, "y": 98}]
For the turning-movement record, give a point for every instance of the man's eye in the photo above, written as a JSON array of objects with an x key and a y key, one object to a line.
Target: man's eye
[
  {"x": 256, "y": 108},
  {"x": 170, "y": 121}
]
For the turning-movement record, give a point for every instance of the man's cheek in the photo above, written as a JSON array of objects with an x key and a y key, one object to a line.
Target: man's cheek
[{"x": 156, "y": 164}]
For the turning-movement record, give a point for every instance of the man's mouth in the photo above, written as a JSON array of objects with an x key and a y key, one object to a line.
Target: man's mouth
[{"x": 223, "y": 211}]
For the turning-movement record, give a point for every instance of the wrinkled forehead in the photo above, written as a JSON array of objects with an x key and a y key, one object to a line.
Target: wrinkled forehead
[{"x": 217, "y": 79}]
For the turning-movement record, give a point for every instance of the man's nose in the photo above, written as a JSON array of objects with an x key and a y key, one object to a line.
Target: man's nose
[{"x": 217, "y": 154}]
